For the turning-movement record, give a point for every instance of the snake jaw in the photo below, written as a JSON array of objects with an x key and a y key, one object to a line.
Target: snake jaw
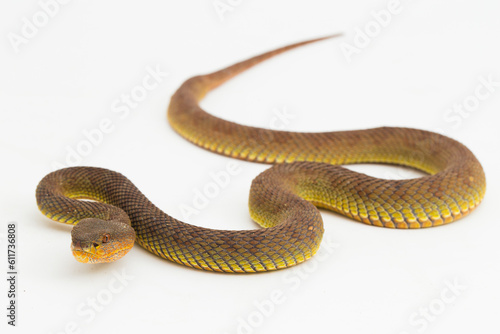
[
  {"x": 95, "y": 255},
  {"x": 82, "y": 256}
]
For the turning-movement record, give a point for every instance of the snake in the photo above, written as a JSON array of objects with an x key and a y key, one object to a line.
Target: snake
[{"x": 110, "y": 214}]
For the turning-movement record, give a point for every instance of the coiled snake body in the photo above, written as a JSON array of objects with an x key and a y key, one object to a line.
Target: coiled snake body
[{"x": 283, "y": 199}]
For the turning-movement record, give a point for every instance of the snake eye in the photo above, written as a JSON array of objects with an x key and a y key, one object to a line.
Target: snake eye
[{"x": 105, "y": 238}]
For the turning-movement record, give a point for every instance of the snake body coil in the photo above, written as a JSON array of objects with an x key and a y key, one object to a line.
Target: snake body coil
[{"x": 283, "y": 198}]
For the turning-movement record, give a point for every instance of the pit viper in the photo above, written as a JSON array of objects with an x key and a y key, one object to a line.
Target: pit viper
[{"x": 283, "y": 199}]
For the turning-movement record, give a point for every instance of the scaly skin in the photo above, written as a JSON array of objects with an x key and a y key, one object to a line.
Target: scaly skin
[{"x": 283, "y": 198}]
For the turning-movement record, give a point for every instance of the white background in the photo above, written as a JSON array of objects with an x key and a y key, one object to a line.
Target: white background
[{"x": 65, "y": 78}]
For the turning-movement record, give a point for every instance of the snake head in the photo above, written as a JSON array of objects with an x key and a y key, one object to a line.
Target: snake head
[{"x": 97, "y": 241}]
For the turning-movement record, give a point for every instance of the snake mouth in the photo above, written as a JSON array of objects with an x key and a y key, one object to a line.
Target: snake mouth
[{"x": 93, "y": 254}]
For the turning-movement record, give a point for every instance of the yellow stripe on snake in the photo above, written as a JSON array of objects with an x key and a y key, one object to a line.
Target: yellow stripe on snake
[{"x": 283, "y": 199}]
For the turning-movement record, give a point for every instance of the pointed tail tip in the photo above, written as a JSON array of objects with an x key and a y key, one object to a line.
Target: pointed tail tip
[
  {"x": 339, "y": 34},
  {"x": 318, "y": 39}
]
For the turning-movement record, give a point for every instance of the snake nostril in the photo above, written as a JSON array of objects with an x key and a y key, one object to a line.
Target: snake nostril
[{"x": 95, "y": 245}]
